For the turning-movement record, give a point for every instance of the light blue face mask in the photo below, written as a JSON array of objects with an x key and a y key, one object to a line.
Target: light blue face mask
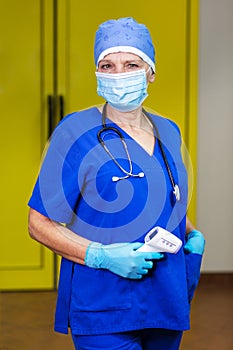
[{"x": 123, "y": 91}]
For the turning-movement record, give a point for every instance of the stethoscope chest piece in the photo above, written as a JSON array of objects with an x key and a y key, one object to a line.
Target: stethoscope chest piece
[{"x": 176, "y": 191}]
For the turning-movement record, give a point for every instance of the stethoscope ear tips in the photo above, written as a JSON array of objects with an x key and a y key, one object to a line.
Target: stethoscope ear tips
[
  {"x": 141, "y": 174},
  {"x": 116, "y": 178}
]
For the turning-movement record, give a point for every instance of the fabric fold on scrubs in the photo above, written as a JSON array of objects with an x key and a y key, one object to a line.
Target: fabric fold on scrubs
[{"x": 193, "y": 271}]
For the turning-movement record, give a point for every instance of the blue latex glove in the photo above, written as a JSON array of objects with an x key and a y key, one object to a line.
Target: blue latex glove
[
  {"x": 195, "y": 243},
  {"x": 122, "y": 259}
]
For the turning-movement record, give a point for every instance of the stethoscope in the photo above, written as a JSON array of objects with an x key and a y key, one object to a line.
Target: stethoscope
[{"x": 129, "y": 173}]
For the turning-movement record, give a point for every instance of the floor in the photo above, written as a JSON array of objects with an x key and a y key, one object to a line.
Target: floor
[{"x": 27, "y": 317}]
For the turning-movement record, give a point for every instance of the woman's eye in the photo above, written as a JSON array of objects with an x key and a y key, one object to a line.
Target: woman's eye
[
  {"x": 105, "y": 66},
  {"x": 132, "y": 66}
]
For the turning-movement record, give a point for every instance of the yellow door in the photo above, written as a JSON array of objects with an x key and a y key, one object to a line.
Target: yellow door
[
  {"x": 25, "y": 81},
  {"x": 174, "y": 28},
  {"x": 47, "y": 52}
]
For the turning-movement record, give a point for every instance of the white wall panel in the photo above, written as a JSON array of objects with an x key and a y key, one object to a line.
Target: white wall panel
[{"x": 215, "y": 142}]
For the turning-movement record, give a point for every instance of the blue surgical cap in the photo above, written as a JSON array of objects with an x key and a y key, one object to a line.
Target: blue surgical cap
[{"x": 124, "y": 35}]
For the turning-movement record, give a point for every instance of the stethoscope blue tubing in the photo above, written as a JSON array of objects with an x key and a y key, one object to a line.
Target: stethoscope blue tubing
[{"x": 118, "y": 132}]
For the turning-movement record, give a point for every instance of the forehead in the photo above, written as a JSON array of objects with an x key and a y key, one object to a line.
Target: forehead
[{"x": 121, "y": 57}]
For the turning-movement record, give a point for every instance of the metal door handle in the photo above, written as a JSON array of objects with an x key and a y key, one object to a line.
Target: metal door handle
[
  {"x": 51, "y": 112},
  {"x": 61, "y": 105}
]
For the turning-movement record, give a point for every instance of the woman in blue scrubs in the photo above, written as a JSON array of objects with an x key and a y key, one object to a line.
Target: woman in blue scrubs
[{"x": 109, "y": 176}]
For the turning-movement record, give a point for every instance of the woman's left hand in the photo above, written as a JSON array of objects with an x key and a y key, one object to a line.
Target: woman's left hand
[{"x": 195, "y": 243}]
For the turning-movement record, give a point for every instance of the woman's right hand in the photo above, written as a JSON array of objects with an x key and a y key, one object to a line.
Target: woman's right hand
[{"x": 122, "y": 259}]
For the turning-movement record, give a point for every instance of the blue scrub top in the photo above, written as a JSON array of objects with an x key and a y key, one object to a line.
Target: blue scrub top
[{"x": 75, "y": 187}]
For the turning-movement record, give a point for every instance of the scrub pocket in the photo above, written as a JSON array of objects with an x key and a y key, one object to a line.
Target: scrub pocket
[
  {"x": 99, "y": 290},
  {"x": 193, "y": 267}
]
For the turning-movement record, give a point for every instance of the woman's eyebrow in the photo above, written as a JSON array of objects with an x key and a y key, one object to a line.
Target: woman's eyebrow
[
  {"x": 127, "y": 60},
  {"x": 134, "y": 60}
]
